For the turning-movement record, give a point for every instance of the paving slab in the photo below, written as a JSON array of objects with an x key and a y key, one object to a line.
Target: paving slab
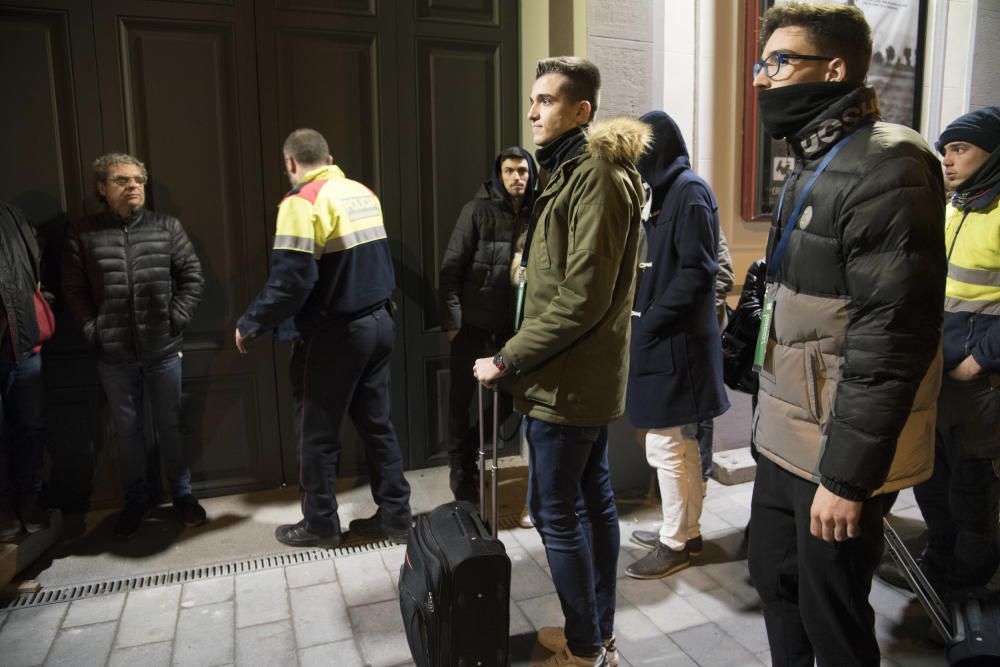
[
  {"x": 261, "y": 597},
  {"x": 378, "y": 629},
  {"x": 527, "y": 579},
  {"x": 641, "y": 643},
  {"x": 709, "y": 646},
  {"x": 365, "y": 580},
  {"x": 207, "y": 591},
  {"x": 205, "y": 635},
  {"x": 100, "y": 609},
  {"x": 310, "y": 574},
  {"x": 341, "y": 654},
  {"x": 28, "y": 634},
  {"x": 266, "y": 645},
  {"x": 147, "y": 655},
  {"x": 667, "y": 610},
  {"x": 319, "y": 615},
  {"x": 84, "y": 646},
  {"x": 149, "y": 616}
]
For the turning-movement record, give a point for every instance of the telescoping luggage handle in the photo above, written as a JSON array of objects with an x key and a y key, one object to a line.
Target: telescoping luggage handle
[
  {"x": 482, "y": 456},
  {"x": 940, "y": 616}
]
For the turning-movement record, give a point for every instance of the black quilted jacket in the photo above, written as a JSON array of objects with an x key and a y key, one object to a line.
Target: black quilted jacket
[{"x": 132, "y": 285}]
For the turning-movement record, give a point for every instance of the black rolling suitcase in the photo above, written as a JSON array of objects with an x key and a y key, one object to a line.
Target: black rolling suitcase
[
  {"x": 969, "y": 624},
  {"x": 454, "y": 584}
]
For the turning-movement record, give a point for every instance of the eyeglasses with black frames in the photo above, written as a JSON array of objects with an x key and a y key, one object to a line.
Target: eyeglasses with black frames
[
  {"x": 772, "y": 64},
  {"x": 122, "y": 181}
]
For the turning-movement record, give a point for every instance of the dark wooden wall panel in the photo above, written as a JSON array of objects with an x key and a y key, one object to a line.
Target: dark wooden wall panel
[
  {"x": 482, "y": 12},
  {"x": 460, "y": 141},
  {"x": 181, "y": 111},
  {"x": 326, "y": 81}
]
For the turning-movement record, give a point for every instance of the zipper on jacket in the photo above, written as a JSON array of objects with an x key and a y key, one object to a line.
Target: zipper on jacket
[
  {"x": 131, "y": 294},
  {"x": 969, "y": 334}
]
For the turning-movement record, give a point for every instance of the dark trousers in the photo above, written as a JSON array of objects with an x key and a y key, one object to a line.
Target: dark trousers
[
  {"x": 339, "y": 373},
  {"x": 125, "y": 386},
  {"x": 706, "y": 430},
  {"x": 814, "y": 593},
  {"x": 960, "y": 501},
  {"x": 573, "y": 507},
  {"x": 470, "y": 344},
  {"x": 22, "y": 431}
]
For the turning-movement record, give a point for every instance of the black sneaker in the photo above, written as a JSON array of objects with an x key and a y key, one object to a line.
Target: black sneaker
[
  {"x": 297, "y": 535},
  {"x": 190, "y": 510},
  {"x": 129, "y": 521},
  {"x": 651, "y": 538},
  {"x": 659, "y": 562},
  {"x": 371, "y": 530}
]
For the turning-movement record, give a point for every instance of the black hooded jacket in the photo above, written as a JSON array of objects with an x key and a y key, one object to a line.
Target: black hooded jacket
[
  {"x": 19, "y": 272},
  {"x": 475, "y": 284},
  {"x": 675, "y": 370}
]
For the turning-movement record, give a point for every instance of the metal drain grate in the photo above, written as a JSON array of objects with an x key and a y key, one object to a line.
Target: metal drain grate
[{"x": 125, "y": 584}]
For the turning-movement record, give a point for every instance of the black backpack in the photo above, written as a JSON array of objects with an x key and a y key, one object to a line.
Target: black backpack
[{"x": 739, "y": 339}]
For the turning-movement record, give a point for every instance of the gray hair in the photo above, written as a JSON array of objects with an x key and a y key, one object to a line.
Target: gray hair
[
  {"x": 103, "y": 164},
  {"x": 307, "y": 146}
]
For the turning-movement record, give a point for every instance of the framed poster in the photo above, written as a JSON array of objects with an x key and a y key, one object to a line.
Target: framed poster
[{"x": 898, "y": 28}]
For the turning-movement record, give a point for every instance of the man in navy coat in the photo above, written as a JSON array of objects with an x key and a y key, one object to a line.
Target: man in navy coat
[{"x": 675, "y": 369}]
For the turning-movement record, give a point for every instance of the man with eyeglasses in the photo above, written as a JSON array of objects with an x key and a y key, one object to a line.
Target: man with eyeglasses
[
  {"x": 132, "y": 281},
  {"x": 849, "y": 352}
]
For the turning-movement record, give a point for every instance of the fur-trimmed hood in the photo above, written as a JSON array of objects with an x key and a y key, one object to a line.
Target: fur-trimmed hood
[{"x": 620, "y": 140}]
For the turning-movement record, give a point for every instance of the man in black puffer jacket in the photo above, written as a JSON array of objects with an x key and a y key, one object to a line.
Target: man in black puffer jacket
[
  {"x": 22, "y": 396},
  {"x": 849, "y": 357},
  {"x": 132, "y": 280},
  {"x": 477, "y": 296}
]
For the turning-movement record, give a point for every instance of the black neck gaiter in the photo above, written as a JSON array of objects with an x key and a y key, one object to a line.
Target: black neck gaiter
[
  {"x": 565, "y": 145},
  {"x": 786, "y": 110}
]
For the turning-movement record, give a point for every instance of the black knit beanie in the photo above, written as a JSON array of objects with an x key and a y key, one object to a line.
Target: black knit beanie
[{"x": 980, "y": 128}]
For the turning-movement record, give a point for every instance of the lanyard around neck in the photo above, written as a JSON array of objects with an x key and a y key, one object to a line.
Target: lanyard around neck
[{"x": 774, "y": 263}]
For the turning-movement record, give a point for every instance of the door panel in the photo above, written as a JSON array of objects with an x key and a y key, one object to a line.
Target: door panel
[
  {"x": 184, "y": 79},
  {"x": 458, "y": 110}
]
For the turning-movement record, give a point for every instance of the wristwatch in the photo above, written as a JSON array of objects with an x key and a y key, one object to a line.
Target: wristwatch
[{"x": 498, "y": 362}]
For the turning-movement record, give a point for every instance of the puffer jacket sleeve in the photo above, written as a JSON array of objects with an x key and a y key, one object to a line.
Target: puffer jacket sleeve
[
  {"x": 456, "y": 263},
  {"x": 892, "y": 235},
  {"x": 599, "y": 223},
  {"x": 185, "y": 272},
  {"x": 76, "y": 289},
  {"x": 725, "y": 279}
]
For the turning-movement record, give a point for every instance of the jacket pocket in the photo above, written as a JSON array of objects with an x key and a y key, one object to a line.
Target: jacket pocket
[
  {"x": 818, "y": 385},
  {"x": 651, "y": 354}
]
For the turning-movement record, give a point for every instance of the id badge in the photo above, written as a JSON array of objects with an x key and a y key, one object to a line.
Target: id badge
[{"x": 766, "y": 314}]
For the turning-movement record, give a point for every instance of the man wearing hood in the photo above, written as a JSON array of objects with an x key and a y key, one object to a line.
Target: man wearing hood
[
  {"x": 960, "y": 500},
  {"x": 675, "y": 366},
  {"x": 477, "y": 298},
  {"x": 849, "y": 352},
  {"x": 569, "y": 356}
]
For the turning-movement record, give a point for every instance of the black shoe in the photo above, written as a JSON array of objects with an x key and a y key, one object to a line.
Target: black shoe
[
  {"x": 371, "y": 530},
  {"x": 190, "y": 510},
  {"x": 650, "y": 539},
  {"x": 297, "y": 535},
  {"x": 129, "y": 521},
  {"x": 33, "y": 518}
]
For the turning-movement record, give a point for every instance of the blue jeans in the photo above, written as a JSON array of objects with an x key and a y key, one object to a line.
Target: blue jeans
[
  {"x": 125, "y": 386},
  {"x": 573, "y": 507},
  {"x": 22, "y": 430}
]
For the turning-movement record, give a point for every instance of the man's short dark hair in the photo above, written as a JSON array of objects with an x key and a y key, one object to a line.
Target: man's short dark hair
[
  {"x": 307, "y": 147},
  {"x": 583, "y": 78},
  {"x": 512, "y": 153},
  {"x": 838, "y": 31}
]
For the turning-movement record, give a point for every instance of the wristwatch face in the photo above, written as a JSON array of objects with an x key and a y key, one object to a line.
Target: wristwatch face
[{"x": 498, "y": 360}]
